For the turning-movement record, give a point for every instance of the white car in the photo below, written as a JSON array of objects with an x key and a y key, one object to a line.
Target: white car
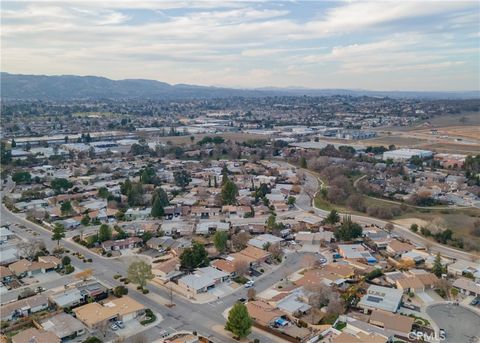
[{"x": 249, "y": 284}]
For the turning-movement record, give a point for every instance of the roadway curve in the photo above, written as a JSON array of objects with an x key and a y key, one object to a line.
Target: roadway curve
[{"x": 305, "y": 202}]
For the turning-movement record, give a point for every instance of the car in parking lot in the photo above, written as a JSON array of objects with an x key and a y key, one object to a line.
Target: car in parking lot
[
  {"x": 249, "y": 284},
  {"x": 114, "y": 327},
  {"x": 120, "y": 324}
]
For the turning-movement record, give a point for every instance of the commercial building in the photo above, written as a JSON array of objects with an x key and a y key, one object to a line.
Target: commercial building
[{"x": 406, "y": 154}]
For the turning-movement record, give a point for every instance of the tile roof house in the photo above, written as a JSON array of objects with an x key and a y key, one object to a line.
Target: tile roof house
[
  {"x": 225, "y": 266},
  {"x": 94, "y": 315},
  {"x": 25, "y": 267},
  {"x": 167, "y": 270},
  {"x": 397, "y": 248},
  {"x": 252, "y": 255},
  {"x": 263, "y": 313},
  {"x": 401, "y": 325},
  {"x": 34, "y": 335},
  {"x": 5, "y": 274}
]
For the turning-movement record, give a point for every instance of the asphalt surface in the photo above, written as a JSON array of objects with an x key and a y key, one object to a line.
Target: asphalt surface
[
  {"x": 460, "y": 324},
  {"x": 304, "y": 202}
]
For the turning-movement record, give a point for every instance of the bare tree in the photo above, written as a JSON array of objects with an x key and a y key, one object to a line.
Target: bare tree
[
  {"x": 335, "y": 304},
  {"x": 251, "y": 294},
  {"x": 319, "y": 294},
  {"x": 389, "y": 227},
  {"x": 241, "y": 266},
  {"x": 239, "y": 241},
  {"x": 444, "y": 285},
  {"x": 276, "y": 251},
  {"x": 28, "y": 249}
]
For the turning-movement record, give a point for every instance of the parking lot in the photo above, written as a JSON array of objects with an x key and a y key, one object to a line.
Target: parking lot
[{"x": 461, "y": 325}]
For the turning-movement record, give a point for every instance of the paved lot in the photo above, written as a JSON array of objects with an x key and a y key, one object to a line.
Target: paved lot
[{"x": 461, "y": 324}]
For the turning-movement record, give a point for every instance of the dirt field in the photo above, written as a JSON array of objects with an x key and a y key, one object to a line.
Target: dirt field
[{"x": 234, "y": 136}]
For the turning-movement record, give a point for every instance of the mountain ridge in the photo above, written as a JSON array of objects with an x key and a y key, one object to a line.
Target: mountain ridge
[{"x": 74, "y": 87}]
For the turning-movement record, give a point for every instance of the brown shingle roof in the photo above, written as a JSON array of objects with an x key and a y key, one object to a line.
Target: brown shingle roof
[{"x": 36, "y": 336}]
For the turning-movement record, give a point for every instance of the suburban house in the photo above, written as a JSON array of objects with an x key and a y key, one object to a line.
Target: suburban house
[
  {"x": 467, "y": 286},
  {"x": 35, "y": 335},
  {"x": 25, "y": 267},
  {"x": 416, "y": 281},
  {"x": 226, "y": 266},
  {"x": 207, "y": 228},
  {"x": 6, "y": 274},
  {"x": 396, "y": 248},
  {"x": 264, "y": 313},
  {"x": 5, "y": 234},
  {"x": 381, "y": 298},
  {"x": 122, "y": 244},
  {"x": 266, "y": 239},
  {"x": 400, "y": 325},
  {"x": 67, "y": 298},
  {"x": 460, "y": 267},
  {"x": 94, "y": 315},
  {"x": 51, "y": 259},
  {"x": 313, "y": 238},
  {"x": 204, "y": 212},
  {"x": 356, "y": 252},
  {"x": 167, "y": 270},
  {"x": 64, "y": 326},
  {"x": 202, "y": 280},
  {"x": 254, "y": 256},
  {"x": 24, "y": 307}
]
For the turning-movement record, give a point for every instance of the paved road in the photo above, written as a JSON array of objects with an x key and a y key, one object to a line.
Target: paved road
[
  {"x": 304, "y": 202},
  {"x": 461, "y": 324},
  {"x": 185, "y": 315}
]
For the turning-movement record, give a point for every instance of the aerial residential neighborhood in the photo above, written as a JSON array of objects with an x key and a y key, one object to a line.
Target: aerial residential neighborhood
[{"x": 207, "y": 171}]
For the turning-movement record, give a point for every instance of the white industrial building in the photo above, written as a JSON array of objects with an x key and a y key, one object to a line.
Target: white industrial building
[{"x": 406, "y": 154}]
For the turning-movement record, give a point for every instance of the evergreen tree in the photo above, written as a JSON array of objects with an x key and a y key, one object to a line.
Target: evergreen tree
[
  {"x": 220, "y": 240},
  {"x": 58, "y": 232},
  {"x": 303, "y": 162},
  {"x": 229, "y": 193},
  {"x": 157, "y": 208},
  {"x": 239, "y": 321},
  {"x": 332, "y": 217},
  {"x": 348, "y": 230},
  {"x": 66, "y": 207},
  {"x": 104, "y": 233},
  {"x": 13, "y": 144},
  {"x": 437, "y": 268}
]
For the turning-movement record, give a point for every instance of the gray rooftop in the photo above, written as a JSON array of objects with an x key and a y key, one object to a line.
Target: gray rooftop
[{"x": 382, "y": 298}]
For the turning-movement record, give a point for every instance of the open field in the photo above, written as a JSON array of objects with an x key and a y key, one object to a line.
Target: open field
[{"x": 233, "y": 136}]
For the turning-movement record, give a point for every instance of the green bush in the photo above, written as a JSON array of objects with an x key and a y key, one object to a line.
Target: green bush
[
  {"x": 150, "y": 317},
  {"x": 240, "y": 279},
  {"x": 117, "y": 276},
  {"x": 109, "y": 254},
  {"x": 145, "y": 291},
  {"x": 69, "y": 269}
]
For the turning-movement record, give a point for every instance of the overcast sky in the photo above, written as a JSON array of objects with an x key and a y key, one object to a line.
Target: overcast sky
[{"x": 381, "y": 45}]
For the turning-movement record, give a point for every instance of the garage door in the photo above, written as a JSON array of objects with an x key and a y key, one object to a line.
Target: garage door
[{"x": 128, "y": 317}]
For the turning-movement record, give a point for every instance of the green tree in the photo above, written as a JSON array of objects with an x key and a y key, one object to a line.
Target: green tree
[
  {"x": 194, "y": 257},
  {"x": 332, "y": 217},
  {"x": 104, "y": 233},
  {"x": 348, "y": 230},
  {"x": 66, "y": 207},
  {"x": 85, "y": 220},
  {"x": 182, "y": 178},
  {"x": 13, "y": 144},
  {"x": 414, "y": 227},
  {"x": 291, "y": 201},
  {"x": 157, "y": 208},
  {"x": 103, "y": 192},
  {"x": 120, "y": 291},
  {"x": 303, "y": 162},
  {"x": 437, "y": 268},
  {"x": 22, "y": 177},
  {"x": 139, "y": 273},
  {"x": 162, "y": 196},
  {"x": 135, "y": 195},
  {"x": 220, "y": 240},
  {"x": 60, "y": 185},
  {"x": 58, "y": 233},
  {"x": 271, "y": 222},
  {"x": 66, "y": 260},
  {"x": 229, "y": 193},
  {"x": 239, "y": 321}
]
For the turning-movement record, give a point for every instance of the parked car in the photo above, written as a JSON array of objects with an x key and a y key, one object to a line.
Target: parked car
[
  {"x": 114, "y": 327},
  {"x": 120, "y": 324},
  {"x": 242, "y": 300},
  {"x": 249, "y": 284},
  {"x": 163, "y": 333}
]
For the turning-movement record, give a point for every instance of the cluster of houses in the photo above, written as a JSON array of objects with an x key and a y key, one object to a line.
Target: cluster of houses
[{"x": 70, "y": 312}]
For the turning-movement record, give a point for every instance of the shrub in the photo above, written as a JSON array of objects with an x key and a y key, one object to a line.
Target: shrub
[
  {"x": 109, "y": 254},
  {"x": 150, "y": 317},
  {"x": 90, "y": 260},
  {"x": 117, "y": 276},
  {"x": 139, "y": 288},
  {"x": 69, "y": 269},
  {"x": 145, "y": 291}
]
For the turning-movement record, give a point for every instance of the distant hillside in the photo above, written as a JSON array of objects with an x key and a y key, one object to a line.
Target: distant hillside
[{"x": 67, "y": 87}]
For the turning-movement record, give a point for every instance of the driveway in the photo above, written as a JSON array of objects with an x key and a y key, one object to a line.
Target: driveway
[{"x": 461, "y": 324}]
